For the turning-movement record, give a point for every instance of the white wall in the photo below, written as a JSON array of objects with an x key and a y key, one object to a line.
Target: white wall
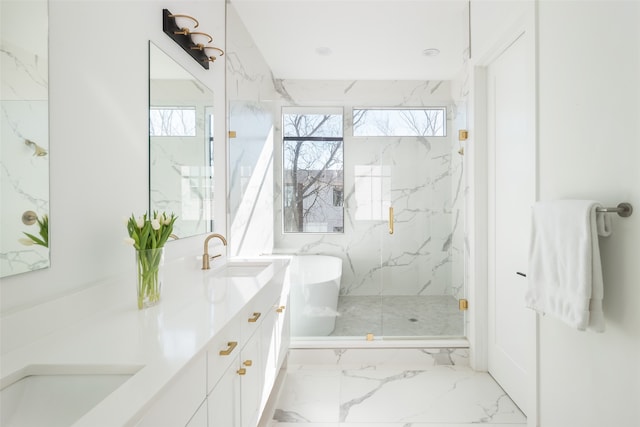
[
  {"x": 98, "y": 135},
  {"x": 589, "y": 147}
]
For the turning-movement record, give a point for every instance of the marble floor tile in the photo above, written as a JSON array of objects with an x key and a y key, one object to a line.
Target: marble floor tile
[
  {"x": 439, "y": 395},
  {"x": 309, "y": 395},
  {"x": 358, "y": 358},
  {"x": 445, "y": 394}
]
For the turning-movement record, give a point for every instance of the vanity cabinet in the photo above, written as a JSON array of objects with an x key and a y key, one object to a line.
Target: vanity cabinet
[
  {"x": 181, "y": 399},
  {"x": 199, "y": 419},
  {"x": 229, "y": 383},
  {"x": 223, "y": 402},
  {"x": 239, "y": 393}
]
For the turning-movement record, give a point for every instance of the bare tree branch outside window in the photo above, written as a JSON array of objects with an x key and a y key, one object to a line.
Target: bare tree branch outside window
[
  {"x": 172, "y": 121},
  {"x": 313, "y": 170},
  {"x": 429, "y": 121}
]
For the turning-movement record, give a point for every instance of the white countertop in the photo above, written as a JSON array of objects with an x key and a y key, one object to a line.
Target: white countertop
[{"x": 159, "y": 341}]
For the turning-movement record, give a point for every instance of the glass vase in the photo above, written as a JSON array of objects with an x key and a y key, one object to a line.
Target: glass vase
[{"x": 149, "y": 266}]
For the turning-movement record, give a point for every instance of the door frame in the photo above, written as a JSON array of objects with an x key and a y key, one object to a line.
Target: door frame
[{"x": 478, "y": 224}]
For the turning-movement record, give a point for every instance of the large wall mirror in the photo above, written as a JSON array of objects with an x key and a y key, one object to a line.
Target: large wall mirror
[
  {"x": 24, "y": 137},
  {"x": 180, "y": 145}
]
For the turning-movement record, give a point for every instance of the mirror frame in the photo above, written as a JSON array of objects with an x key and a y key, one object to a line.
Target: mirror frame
[
  {"x": 24, "y": 166},
  {"x": 180, "y": 157}
]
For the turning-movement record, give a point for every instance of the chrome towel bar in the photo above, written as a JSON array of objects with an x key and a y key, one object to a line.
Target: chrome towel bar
[{"x": 623, "y": 209}]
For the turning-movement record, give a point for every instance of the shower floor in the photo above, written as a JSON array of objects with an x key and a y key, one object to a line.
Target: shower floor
[{"x": 399, "y": 316}]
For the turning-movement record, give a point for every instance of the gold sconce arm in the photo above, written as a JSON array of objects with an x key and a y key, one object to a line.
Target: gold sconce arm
[
  {"x": 186, "y": 16},
  {"x": 202, "y": 34},
  {"x": 216, "y": 48},
  {"x": 391, "y": 220},
  {"x": 213, "y": 58}
]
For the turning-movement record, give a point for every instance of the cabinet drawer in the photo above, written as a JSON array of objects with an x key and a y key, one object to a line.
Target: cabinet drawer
[
  {"x": 252, "y": 315},
  {"x": 222, "y": 350},
  {"x": 181, "y": 399}
]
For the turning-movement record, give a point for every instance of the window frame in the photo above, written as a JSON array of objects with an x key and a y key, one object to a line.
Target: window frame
[
  {"x": 289, "y": 110},
  {"x": 442, "y": 108}
]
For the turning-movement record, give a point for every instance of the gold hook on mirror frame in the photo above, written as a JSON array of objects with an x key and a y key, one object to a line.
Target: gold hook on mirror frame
[{"x": 177, "y": 15}]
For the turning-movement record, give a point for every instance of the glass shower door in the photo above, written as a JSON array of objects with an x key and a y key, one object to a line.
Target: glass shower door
[{"x": 421, "y": 244}]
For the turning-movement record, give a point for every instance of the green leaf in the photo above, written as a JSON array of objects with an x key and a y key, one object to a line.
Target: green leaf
[{"x": 36, "y": 240}]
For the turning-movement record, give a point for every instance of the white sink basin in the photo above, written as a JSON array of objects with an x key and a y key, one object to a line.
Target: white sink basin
[
  {"x": 243, "y": 269},
  {"x": 55, "y": 399}
]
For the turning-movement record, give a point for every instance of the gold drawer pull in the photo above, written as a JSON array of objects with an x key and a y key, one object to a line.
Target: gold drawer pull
[
  {"x": 247, "y": 363},
  {"x": 241, "y": 371},
  {"x": 280, "y": 309},
  {"x": 255, "y": 318},
  {"x": 231, "y": 345}
]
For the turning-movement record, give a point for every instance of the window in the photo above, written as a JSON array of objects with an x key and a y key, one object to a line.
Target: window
[
  {"x": 372, "y": 192},
  {"x": 400, "y": 122},
  {"x": 312, "y": 171},
  {"x": 170, "y": 121},
  {"x": 338, "y": 196}
]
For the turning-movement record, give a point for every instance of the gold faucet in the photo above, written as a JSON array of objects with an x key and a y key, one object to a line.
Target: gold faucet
[{"x": 205, "y": 256}]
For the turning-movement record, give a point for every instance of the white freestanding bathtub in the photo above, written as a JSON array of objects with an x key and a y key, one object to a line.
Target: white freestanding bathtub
[{"x": 315, "y": 285}]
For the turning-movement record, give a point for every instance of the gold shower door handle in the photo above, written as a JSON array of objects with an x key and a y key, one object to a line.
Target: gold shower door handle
[{"x": 390, "y": 219}]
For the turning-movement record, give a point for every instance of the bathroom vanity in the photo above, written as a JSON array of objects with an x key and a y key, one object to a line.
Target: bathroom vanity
[{"x": 207, "y": 355}]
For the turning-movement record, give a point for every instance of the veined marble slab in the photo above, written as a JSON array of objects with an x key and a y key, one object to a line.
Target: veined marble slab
[{"x": 395, "y": 397}]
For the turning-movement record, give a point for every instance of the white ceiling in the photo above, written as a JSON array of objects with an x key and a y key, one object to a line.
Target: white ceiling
[{"x": 367, "y": 39}]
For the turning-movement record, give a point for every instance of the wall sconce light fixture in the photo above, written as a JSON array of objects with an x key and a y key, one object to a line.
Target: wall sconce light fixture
[{"x": 196, "y": 43}]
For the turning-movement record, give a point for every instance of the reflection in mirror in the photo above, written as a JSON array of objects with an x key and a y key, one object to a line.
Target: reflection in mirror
[
  {"x": 180, "y": 145},
  {"x": 24, "y": 137}
]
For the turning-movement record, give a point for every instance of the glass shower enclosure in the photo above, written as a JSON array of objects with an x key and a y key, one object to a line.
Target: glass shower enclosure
[{"x": 403, "y": 205}]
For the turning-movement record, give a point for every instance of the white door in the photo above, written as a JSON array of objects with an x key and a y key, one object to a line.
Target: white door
[{"x": 511, "y": 143}]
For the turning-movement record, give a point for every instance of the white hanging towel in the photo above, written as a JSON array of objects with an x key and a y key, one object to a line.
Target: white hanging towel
[{"x": 565, "y": 273}]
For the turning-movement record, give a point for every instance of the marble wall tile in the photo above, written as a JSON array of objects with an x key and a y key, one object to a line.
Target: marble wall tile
[
  {"x": 250, "y": 186},
  {"x": 24, "y": 183},
  {"x": 250, "y": 92},
  {"x": 181, "y": 183},
  {"x": 24, "y": 115},
  {"x": 410, "y": 262},
  {"x": 417, "y": 259}
]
